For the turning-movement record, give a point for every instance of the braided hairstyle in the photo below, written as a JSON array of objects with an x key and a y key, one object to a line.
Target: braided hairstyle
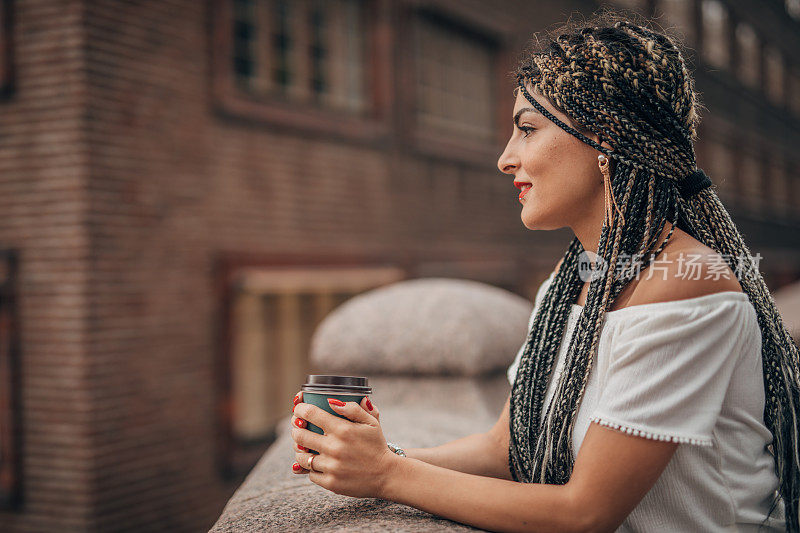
[{"x": 628, "y": 84}]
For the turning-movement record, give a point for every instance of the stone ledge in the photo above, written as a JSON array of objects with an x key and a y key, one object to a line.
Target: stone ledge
[{"x": 272, "y": 498}]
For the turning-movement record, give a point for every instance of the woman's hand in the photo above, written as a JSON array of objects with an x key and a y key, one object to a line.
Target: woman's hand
[
  {"x": 353, "y": 457},
  {"x": 365, "y": 403}
]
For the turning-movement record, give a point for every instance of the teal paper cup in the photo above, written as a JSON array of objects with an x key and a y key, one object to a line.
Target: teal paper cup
[{"x": 319, "y": 388}]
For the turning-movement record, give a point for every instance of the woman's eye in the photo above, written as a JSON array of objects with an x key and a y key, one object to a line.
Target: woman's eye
[{"x": 526, "y": 129}]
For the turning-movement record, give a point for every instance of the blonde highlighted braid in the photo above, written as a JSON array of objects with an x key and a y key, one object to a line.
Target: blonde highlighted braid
[{"x": 629, "y": 85}]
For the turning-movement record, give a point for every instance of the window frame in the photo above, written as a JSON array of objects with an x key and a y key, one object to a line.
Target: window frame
[
  {"x": 372, "y": 127},
  {"x": 431, "y": 143},
  {"x": 236, "y": 457}
]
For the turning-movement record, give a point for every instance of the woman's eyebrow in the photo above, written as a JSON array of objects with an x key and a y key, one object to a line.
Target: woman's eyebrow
[{"x": 521, "y": 111}]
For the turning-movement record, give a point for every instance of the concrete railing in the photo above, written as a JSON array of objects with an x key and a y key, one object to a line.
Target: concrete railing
[{"x": 435, "y": 351}]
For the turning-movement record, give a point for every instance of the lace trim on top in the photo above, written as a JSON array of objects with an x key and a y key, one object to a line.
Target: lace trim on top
[{"x": 650, "y": 434}]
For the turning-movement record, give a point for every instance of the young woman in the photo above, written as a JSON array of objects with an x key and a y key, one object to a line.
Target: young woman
[{"x": 644, "y": 399}]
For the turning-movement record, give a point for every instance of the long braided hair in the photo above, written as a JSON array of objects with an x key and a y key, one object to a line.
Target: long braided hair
[{"x": 628, "y": 84}]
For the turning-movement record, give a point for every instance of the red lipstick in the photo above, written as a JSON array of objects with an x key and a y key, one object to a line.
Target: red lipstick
[{"x": 524, "y": 187}]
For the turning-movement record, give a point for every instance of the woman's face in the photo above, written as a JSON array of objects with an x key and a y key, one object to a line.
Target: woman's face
[{"x": 566, "y": 183}]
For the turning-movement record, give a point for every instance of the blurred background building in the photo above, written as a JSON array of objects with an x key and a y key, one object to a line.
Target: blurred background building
[{"x": 188, "y": 186}]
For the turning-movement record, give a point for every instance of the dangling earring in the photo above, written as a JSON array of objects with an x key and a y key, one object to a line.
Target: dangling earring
[{"x": 605, "y": 170}]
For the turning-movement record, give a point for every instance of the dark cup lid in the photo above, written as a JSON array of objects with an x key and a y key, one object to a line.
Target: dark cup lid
[{"x": 328, "y": 383}]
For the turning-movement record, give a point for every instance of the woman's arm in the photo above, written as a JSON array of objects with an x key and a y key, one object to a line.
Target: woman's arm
[
  {"x": 612, "y": 473},
  {"x": 482, "y": 454}
]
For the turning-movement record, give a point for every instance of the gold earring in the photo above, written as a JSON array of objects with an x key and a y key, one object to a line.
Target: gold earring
[{"x": 605, "y": 169}]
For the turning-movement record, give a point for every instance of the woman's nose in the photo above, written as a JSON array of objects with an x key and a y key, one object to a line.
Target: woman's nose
[{"x": 507, "y": 163}]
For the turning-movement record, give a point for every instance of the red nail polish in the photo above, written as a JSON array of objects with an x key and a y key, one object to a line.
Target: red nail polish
[
  {"x": 296, "y": 467},
  {"x": 369, "y": 404},
  {"x": 302, "y": 448},
  {"x": 296, "y": 399},
  {"x": 334, "y": 401},
  {"x": 299, "y": 422}
]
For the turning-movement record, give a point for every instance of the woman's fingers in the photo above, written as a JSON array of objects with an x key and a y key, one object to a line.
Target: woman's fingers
[
  {"x": 370, "y": 408},
  {"x": 352, "y": 411},
  {"x": 297, "y": 399},
  {"x": 308, "y": 439},
  {"x": 297, "y": 466},
  {"x": 302, "y": 459},
  {"x": 297, "y": 469},
  {"x": 322, "y": 419}
]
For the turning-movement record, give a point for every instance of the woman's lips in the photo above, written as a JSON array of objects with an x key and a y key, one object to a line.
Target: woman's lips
[{"x": 524, "y": 189}]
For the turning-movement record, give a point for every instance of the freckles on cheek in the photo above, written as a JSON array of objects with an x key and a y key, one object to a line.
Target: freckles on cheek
[
  {"x": 554, "y": 153},
  {"x": 545, "y": 153}
]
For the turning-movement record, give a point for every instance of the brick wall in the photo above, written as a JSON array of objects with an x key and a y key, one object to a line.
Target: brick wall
[
  {"x": 172, "y": 185},
  {"x": 43, "y": 200},
  {"x": 123, "y": 185}
]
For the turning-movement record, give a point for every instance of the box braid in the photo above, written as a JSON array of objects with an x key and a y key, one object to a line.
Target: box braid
[{"x": 629, "y": 85}]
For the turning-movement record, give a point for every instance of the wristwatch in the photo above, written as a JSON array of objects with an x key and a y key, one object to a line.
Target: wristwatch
[{"x": 396, "y": 449}]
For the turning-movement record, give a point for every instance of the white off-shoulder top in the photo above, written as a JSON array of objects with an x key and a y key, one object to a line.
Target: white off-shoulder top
[{"x": 687, "y": 371}]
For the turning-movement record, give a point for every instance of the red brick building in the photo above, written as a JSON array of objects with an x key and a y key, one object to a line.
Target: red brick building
[{"x": 188, "y": 186}]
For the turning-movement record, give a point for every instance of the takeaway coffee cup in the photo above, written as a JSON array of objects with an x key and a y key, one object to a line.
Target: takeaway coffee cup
[{"x": 318, "y": 388}]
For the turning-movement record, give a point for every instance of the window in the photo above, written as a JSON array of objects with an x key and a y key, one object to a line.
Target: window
[
  {"x": 774, "y": 75},
  {"x": 679, "y": 15},
  {"x": 715, "y": 34},
  {"x": 272, "y": 314},
  {"x": 454, "y": 81},
  {"x": 10, "y": 461},
  {"x": 452, "y": 86},
  {"x": 749, "y": 68},
  {"x": 318, "y": 64},
  {"x": 308, "y": 51}
]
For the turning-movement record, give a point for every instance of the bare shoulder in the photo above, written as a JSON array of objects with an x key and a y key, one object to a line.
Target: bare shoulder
[{"x": 686, "y": 268}]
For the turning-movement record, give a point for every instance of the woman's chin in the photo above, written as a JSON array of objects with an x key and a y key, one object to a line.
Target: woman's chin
[
  {"x": 530, "y": 224},
  {"x": 538, "y": 223}
]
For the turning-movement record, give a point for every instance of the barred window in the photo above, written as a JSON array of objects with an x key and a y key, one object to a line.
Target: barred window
[
  {"x": 454, "y": 80},
  {"x": 273, "y": 312},
  {"x": 749, "y": 68},
  {"x": 306, "y": 51},
  {"x": 716, "y": 50}
]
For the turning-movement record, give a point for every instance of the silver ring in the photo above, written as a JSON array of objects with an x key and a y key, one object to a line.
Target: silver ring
[{"x": 311, "y": 462}]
